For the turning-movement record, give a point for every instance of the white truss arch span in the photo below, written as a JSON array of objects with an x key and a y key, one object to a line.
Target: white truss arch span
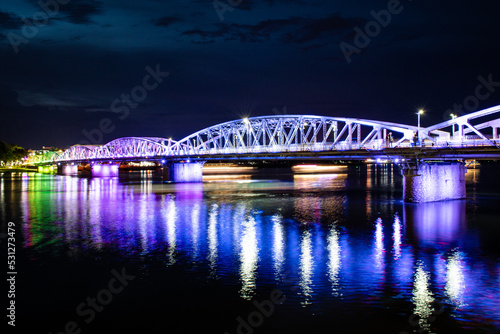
[
  {"x": 477, "y": 127},
  {"x": 292, "y": 133},
  {"x": 134, "y": 147}
]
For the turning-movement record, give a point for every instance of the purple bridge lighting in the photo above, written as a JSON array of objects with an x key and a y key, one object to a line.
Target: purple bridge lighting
[{"x": 425, "y": 155}]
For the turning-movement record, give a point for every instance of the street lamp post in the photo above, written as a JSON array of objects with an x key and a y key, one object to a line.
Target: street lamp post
[
  {"x": 453, "y": 116},
  {"x": 420, "y": 112}
]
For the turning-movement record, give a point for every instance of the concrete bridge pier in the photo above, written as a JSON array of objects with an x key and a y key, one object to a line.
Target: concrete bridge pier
[
  {"x": 430, "y": 182},
  {"x": 67, "y": 169},
  {"x": 104, "y": 170},
  {"x": 49, "y": 169},
  {"x": 183, "y": 171}
]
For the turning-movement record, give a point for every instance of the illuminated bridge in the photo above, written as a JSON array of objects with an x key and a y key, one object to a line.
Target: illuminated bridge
[{"x": 435, "y": 150}]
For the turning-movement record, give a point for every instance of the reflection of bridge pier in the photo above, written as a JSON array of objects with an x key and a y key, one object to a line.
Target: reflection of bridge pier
[{"x": 437, "y": 223}]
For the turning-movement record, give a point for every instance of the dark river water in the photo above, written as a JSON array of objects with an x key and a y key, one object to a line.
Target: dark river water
[{"x": 282, "y": 253}]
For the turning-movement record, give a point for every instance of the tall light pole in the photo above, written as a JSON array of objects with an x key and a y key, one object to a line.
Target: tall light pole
[
  {"x": 420, "y": 112},
  {"x": 247, "y": 123},
  {"x": 453, "y": 116}
]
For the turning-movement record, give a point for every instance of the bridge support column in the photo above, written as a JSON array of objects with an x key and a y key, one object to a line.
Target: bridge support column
[
  {"x": 47, "y": 169},
  {"x": 183, "y": 171},
  {"x": 65, "y": 169},
  {"x": 430, "y": 182},
  {"x": 104, "y": 170}
]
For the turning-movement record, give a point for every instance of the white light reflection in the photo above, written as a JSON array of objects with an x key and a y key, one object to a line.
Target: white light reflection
[
  {"x": 143, "y": 226},
  {"x": 379, "y": 243},
  {"x": 334, "y": 259},
  {"x": 2, "y": 198},
  {"x": 278, "y": 244},
  {"x": 212, "y": 238},
  {"x": 422, "y": 298},
  {"x": 306, "y": 266},
  {"x": 171, "y": 233},
  {"x": 238, "y": 216},
  {"x": 195, "y": 229},
  {"x": 249, "y": 255},
  {"x": 455, "y": 282},
  {"x": 94, "y": 221},
  {"x": 67, "y": 197},
  {"x": 396, "y": 237}
]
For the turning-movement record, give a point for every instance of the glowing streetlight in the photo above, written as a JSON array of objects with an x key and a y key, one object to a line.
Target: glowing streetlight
[
  {"x": 453, "y": 116},
  {"x": 420, "y": 112}
]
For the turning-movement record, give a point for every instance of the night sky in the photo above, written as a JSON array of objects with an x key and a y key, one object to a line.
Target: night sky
[{"x": 88, "y": 64}]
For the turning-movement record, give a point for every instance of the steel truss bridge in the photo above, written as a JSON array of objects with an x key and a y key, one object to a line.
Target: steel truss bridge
[{"x": 473, "y": 135}]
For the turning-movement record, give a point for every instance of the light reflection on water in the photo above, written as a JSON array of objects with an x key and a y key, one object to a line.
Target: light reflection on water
[
  {"x": 334, "y": 259},
  {"x": 271, "y": 230},
  {"x": 248, "y": 257},
  {"x": 278, "y": 244},
  {"x": 422, "y": 297},
  {"x": 306, "y": 266},
  {"x": 455, "y": 280}
]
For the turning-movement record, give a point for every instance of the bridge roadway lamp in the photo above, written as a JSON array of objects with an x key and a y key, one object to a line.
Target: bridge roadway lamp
[
  {"x": 420, "y": 112},
  {"x": 453, "y": 116}
]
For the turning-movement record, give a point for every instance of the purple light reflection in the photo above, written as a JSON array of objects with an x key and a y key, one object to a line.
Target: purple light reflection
[{"x": 437, "y": 223}]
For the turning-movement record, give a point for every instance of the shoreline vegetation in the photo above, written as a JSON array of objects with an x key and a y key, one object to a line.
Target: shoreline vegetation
[{"x": 11, "y": 153}]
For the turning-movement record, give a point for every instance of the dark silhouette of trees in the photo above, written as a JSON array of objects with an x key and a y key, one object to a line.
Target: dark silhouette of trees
[{"x": 10, "y": 152}]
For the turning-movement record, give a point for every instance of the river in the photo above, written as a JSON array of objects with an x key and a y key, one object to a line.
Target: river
[{"x": 337, "y": 252}]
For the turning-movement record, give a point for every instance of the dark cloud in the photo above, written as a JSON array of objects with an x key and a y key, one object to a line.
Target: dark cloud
[
  {"x": 76, "y": 11},
  {"x": 10, "y": 21},
  {"x": 332, "y": 25},
  {"x": 80, "y": 12},
  {"x": 290, "y": 30},
  {"x": 166, "y": 21}
]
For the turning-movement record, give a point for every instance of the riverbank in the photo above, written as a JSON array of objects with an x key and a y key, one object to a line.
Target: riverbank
[{"x": 17, "y": 169}]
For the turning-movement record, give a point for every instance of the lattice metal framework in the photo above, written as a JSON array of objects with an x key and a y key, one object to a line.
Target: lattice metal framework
[
  {"x": 289, "y": 133},
  {"x": 293, "y": 133},
  {"x": 131, "y": 147},
  {"x": 470, "y": 129}
]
